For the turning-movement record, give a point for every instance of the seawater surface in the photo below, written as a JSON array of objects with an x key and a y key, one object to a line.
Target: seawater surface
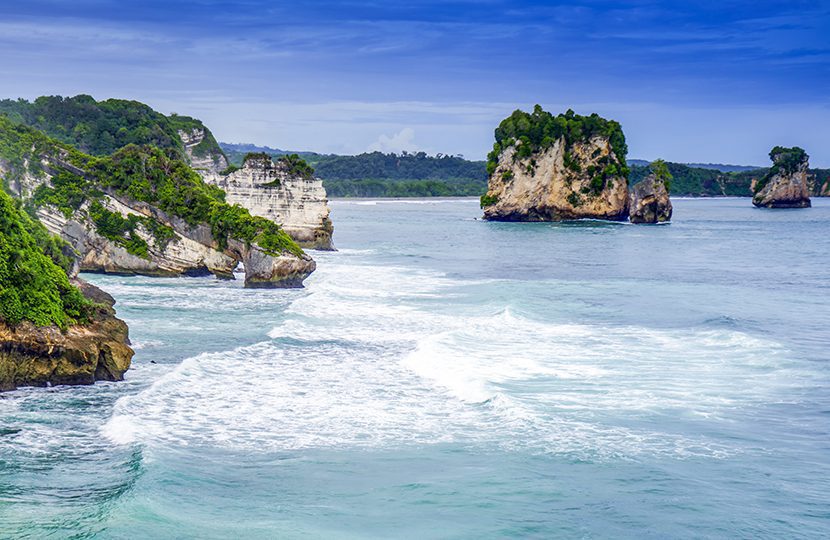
[{"x": 445, "y": 377}]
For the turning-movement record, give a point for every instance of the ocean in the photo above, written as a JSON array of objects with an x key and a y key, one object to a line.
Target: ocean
[{"x": 445, "y": 377}]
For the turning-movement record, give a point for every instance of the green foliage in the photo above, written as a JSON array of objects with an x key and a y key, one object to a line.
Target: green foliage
[
  {"x": 121, "y": 230},
  {"x": 32, "y": 286},
  {"x": 162, "y": 234},
  {"x": 661, "y": 172},
  {"x": 142, "y": 173},
  {"x": 405, "y": 166},
  {"x": 456, "y": 187},
  {"x": 570, "y": 163},
  {"x": 376, "y": 174},
  {"x": 540, "y": 129},
  {"x": 256, "y": 156},
  {"x": 101, "y": 127},
  {"x": 507, "y": 175},
  {"x": 788, "y": 160},
  {"x": 699, "y": 182},
  {"x": 97, "y": 128},
  {"x": 597, "y": 184},
  {"x": 297, "y": 166},
  {"x": 67, "y": 193},
  {"x": 574, "y": 199},
  {"x": 208, "y": 145},
  {"x": 488, "y": 200},
  {"x": 230, "y": 169}
]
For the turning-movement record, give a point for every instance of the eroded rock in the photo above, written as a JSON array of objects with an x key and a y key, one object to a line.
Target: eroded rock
[
  {"x": 786, "y": 185},
  {"x": 82, "y": 354}
]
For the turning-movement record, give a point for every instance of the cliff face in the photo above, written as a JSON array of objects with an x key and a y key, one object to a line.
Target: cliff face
[
  {"x": 202, "y": 156},
  {"x": 560, "y": 182},
  {"x": 92, "y": 203},
  {"x": 650, "y": 201},
  {"x": 271, "y": 189},
  {"x": 189, "y": 250},
  {"x": 786, "y": 185},
  {"x": 82, "y": 354}
]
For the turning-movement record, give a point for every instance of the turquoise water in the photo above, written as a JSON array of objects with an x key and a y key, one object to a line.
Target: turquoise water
[{"x": 443, "y": 377}]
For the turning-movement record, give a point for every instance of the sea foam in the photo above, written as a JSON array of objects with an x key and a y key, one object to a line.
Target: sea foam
[{"x": 383, "y": 356}]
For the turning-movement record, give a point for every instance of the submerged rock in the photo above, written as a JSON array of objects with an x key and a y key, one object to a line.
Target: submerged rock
[
  {"x": 286, "y": 192},
  {"x": 786, "y": 185},
  {"x": 546, "y": 168},
  {"x": 650, "y": 201},
  {"x": 81, "y": 354}
]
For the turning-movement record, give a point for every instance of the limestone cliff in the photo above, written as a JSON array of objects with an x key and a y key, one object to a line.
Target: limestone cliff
[
  {"x": 82, "y": 354},
  {"x": 143, "y": 211},
  {"x": 546, "y": 168},
  {"x": 786, "y": 185},
  {"x": 285, "y": 193}
]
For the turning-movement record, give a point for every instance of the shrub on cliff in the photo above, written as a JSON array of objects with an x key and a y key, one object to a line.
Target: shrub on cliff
[
  {"x": 144, "y": 173},
  {"x": 32, "y": 286},
  {"x": 661, "y": 171},
  {"x": 295, "y": 165}
]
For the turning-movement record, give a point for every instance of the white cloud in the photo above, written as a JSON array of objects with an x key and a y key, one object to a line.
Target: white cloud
[{"x": 400, "y": 141}]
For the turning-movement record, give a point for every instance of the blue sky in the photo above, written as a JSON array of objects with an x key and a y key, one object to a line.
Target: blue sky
[{"x": 716, "y": 81}]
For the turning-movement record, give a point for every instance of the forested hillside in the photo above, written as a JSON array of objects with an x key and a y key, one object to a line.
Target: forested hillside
[{"x": 100, "y": 128}]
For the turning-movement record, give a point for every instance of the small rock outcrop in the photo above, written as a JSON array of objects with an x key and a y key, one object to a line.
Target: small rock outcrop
[
  {"x": 284, "y": 191},
  {"x": 650, "y": 201},
  {"x": 81, "y": 354},
  {"x": 555, "y": 168},
  {"x": 786, "y": 185},
  {"x": 52, "y": 330}
]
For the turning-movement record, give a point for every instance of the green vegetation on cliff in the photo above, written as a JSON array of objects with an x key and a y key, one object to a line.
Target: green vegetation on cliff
[
  {"x": 208, "y": 145},
  {"x": 142, "y": 173},
  {"x": 102, "y": 127},
  {"x": 97, "y": 128},
  {"x": 295, "y": 165},
  {"x": 148, "y": 174},
  {"x": 539, "y": 130},
  {"x": 32, "y": 286},
  {"x": 661, "y": 172}
]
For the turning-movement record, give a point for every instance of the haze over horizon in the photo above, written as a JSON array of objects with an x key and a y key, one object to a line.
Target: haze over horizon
[{"x": 713, "y": 82}]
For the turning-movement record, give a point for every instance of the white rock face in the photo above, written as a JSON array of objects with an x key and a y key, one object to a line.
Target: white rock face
[
  {"x": 296, "y": 202},
  {"x": 208, "y": 162}
]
